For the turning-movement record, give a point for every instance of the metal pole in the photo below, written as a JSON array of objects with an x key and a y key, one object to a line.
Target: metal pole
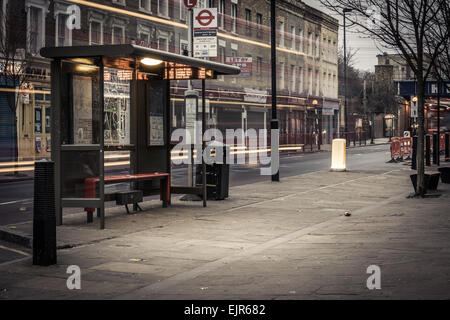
[
  {"x": 274, "y": 151},
  {"x": 438, "y": 123},
  {"x": 345, "y": 80},
  {"x": 371, "y": 130},
  {"x": 203, "y": 143},
  {"x": 191, "y": 179}
]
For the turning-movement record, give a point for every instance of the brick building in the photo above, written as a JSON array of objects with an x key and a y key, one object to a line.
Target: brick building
[{"x": 307, "y": 45}]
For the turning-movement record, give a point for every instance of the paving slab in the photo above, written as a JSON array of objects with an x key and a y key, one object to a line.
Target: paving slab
[{"x": 287, "y": 240}]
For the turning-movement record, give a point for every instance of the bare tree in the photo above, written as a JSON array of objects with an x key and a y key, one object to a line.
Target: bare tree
[
  {"x": 406, "y": 27},
  {"x": 13, "y": 60},
  {"x": 439, "y": 33}
]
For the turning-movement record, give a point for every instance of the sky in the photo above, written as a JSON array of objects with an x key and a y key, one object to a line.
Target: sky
[{"x": 366, "y": 57}]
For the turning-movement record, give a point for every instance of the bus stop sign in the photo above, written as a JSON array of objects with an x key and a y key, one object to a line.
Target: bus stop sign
[{"x": 190, "y": 3}]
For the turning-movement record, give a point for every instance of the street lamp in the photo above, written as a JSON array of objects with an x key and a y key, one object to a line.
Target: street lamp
[{"x": 344, "y": 11}]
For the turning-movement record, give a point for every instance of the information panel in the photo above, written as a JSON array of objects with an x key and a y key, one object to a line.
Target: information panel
[{"x": 117, "y": 106}]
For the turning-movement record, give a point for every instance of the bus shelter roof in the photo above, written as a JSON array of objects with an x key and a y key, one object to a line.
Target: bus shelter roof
[{"x": 127, "y": 51}]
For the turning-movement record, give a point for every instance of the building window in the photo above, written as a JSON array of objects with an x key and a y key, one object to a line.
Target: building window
[
  {"x": 2, "y": 19},
  {"x": 63, "y": 34},
  {"x": 258, "y": 65},
  {"x": 300, "y": 40},
  {"x": 317, "y": 45},
  {"x": 183, "y": 11},
  {"x": 310, "y": 82},
  {"x": 221, "y": 57},
  {"x": 248, "y": 21},
  {"x": 36, "y": 29},
  {"x": 329, "y": 85},
  {"x": 163, "y": 8},
  {"x": 329, "y": 50},
  {"x": 121, "y": 2},
  {"x": 184, "y": 47},
  {"x": 310, "y": 49},
  {"x": 293, "y": 75},
  {"x": 221, "y": 12},
  {"x": 211, "y": 4},
  {"x": 334, "y": 51},
  {"x": 118, "y": 35},
  {"x": 96, "y": 33},
  {"x": 37, "y": 119},
  {"x": 47, "y": 120},
  {"x": 281, "y": 86},
  {"x": 144, "y": 36},
  {"x": 293, "y": 37},
  {"x": 259, "y": 24},
  {"x": 300, "y": 82},
  {"x": 163, "y": 44},
  {"x": 233, "y": 17},
  {"x": 145, "y": 5},
  {"x": 317, "y": 84},
  {"x": 281, "y": 33}
]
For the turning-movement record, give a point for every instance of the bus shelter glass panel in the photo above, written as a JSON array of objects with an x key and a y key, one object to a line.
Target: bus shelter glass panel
[
  {"x": 81, "y": 104},
  {"x": 117, "y": 115},
  {"x": 80, "y": 129}
]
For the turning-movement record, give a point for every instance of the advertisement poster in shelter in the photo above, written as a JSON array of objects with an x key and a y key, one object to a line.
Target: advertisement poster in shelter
[{"x": 82, "y": 110}]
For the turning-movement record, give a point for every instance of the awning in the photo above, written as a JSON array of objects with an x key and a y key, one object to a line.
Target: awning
[{"x": 127, "y": 51}]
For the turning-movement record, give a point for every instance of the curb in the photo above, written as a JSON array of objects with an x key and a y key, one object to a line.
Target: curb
[
  {"x": 16, "y": 237},
  {"x": 8, "y": 180}
]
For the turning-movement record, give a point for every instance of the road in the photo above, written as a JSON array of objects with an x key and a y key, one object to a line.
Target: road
[{"x": 16, "y": 198}]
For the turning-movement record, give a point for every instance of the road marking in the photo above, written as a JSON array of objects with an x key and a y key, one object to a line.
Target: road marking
[
  {"x": 14, "y": 250},
  {"x": 16, "y": 201},
  {"x": 14, "y": 261}
]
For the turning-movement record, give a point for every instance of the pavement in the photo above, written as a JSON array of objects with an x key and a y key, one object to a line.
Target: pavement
[{"x": 287, "y": 240}]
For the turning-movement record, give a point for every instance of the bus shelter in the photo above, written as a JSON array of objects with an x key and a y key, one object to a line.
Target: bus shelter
[{"x": 115, "y": 98}]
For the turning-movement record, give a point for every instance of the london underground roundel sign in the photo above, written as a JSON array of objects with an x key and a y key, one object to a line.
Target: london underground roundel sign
[
  {"x": 190, "y": 3},
  {"x": 204, "y": 18}
]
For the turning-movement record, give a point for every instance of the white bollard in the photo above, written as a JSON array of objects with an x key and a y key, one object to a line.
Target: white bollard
[{"x": 338, "y": 153}]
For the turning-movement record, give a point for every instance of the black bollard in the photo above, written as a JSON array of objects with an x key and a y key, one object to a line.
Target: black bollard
[
  {"x": 414, "y": 154},
  {"x": 44, "y": 214},
  {"x": 447, "y": 147},
  {"x": 436, "y": 149},
  {"x": 427, "y": 151}
]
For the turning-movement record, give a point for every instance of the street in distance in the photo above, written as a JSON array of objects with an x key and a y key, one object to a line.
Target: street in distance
[{"x": 232, "y": 310}]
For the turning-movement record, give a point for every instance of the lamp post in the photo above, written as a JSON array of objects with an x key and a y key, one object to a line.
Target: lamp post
[
  {"x": 316, "y": 124},
  {"x": 345, "y": 75},
  {"x": 274, "y": 150}
]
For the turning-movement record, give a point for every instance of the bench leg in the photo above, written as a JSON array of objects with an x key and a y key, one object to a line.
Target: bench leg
[
  {"x": 164, "y": 187},
  {"x": 126, "y": 207},
  {"x": 90, "y": 216},
  {"x": 135, "y": 207}
]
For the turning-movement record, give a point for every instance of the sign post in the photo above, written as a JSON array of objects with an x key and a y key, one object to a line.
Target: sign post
[
  {"x": 190, "y": 4},
  {"x": 205, "y": 32}
]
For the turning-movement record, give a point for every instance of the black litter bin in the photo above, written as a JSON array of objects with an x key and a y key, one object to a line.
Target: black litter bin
[{"x": 217, "y": 174}]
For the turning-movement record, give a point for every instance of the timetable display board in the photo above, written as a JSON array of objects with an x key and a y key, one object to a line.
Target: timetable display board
[{"x": 178, "y": 71}]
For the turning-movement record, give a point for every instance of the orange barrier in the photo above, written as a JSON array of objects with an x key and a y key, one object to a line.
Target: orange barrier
[
  {"x": 407, "y": 148},
  {"x": 400, "y": 148},
  {"x": 395, "y": 150}
]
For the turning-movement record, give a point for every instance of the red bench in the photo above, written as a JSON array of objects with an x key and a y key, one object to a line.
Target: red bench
[{"x": 90, "y": 183}]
